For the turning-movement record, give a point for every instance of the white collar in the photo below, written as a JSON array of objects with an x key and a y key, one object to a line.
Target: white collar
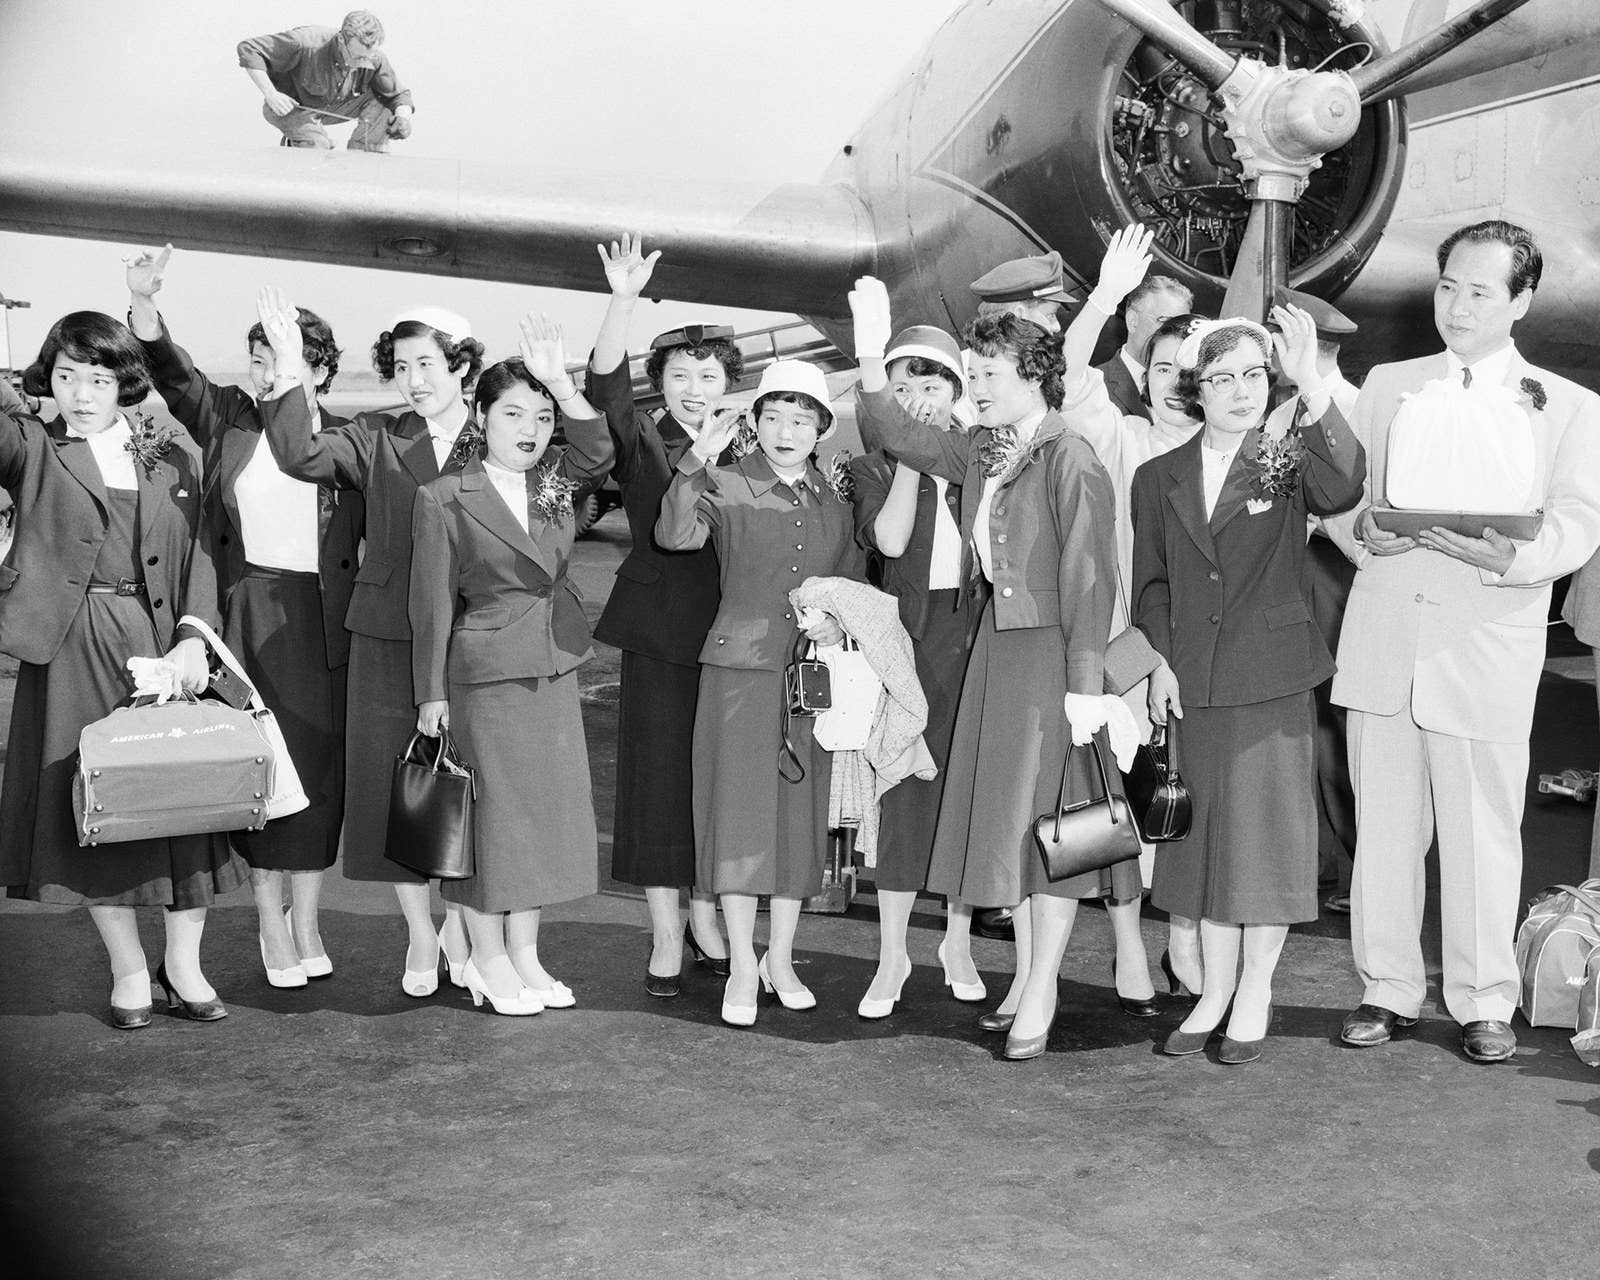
[
  {"x": 504, "y": 475},
  {"x": 456, "y": 419},
  {"x": 1492, "y": 370},
  {"x": 118, "y": 432},
  {"x": 1029, "y": 426},
  {"x": 1132, "y": 365}
]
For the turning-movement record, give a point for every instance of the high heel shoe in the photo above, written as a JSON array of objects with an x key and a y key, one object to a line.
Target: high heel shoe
[
  {"x": 457, "y": 965},
  {"x": 996, "y": 1021},
  {"x": 315, "y": 966},
  {"x": 293, "y": 976},
  {"x": 524, "y": 1004},
  {"x": 1133, "y": 1006},
  {"x": 717, "y": 964},
  {"x": 1236, "y": 1053},
  {"x": 738, "y": 1015},
  {"x": 558, "y": 995},
  {"x": 126, "y": 1019},
  {"x": 194, "y": 1010},
  {"x": 1181, "y": 1043},
  {"x": 1020, "y": 1050},
  {"x": 801, "y": 999},
  {"x": 966, "y": 992},
  {"x": 421, "y": 983},
  {"x": 872, "y": 1009},
  {"x": 662, "y": 987},
  {"x": 1175, "y": 985}
]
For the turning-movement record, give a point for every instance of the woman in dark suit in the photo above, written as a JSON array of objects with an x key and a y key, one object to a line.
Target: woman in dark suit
[
  {"x": 108, "y": 556},
  {"x": 499, "y": 634},
  {"x": 1038, "y": 512},
  {"x": 660, "y": 609},
  {"x": 774, "y": 522},
  {"x": 1218, "y": 562},
  {"x": 432, "y": 357},
  {"x": 286, "y": 553}
]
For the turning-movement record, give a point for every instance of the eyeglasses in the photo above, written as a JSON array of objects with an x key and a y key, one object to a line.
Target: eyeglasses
[{"x": 1222, "y": 383}]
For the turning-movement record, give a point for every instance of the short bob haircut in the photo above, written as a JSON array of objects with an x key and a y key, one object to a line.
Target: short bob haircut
[
  {"x": 922, "y": 367},
  {"x": 91, "y": 337},
  {"x": 465, "y": 355},
  {"x": 1175, "y": 327},
  {"x": 722, "y": 350},
  {"x": 362, "y": 24},
  {"x": 499, "y": 378},
  {"x": 1213, "y": 347},
  {"x": 1035, "y": 351},
  {"x": 1527, "y": 263},
  {"x": 317, "y": 347},
  {"x": 800, "y": 398}
]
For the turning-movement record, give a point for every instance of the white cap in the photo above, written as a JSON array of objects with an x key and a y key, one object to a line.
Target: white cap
[
  {"x": 928, "y": 343},
  {"x": 1189, "y": 348},
  {"x": 798, "y": 376},
  {"x": 445, "y": 321}
]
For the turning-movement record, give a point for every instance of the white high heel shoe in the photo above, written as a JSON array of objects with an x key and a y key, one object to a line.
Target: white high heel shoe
[
  {"x": 522, "y": 1005},
  {"x": 456, "y": 964},
  {"x": 801, "y": 999},
  {"x": 738, "y": 1015},
  {"x": 293, "y": 976},
  {"x": 966, "y": 992},
  {"x": 420, "y": 983},
  {"x": 870, "y": 1008},
  {"x": 315, "y": 966}
]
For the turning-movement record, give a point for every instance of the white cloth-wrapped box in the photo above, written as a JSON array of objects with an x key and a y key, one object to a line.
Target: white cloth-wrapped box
[{"x": 1456, "y": 448}]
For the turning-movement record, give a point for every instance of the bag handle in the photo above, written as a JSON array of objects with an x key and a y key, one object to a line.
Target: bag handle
[
  {"x": 1105, "y": 785},
  {"x": 1169, "y": 733},
  {"x": 1582, "y": 895}
]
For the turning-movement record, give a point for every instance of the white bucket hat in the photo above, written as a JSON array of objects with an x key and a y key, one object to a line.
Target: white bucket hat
[
  {"x": 928, "y": 343},
  {"x": 798, "y": 376}
]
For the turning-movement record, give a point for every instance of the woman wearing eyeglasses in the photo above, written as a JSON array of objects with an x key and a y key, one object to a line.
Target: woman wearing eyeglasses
[{"x": 1218, "y": 557}]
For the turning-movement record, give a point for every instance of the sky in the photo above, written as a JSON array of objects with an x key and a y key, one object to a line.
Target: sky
[{"x": 768, "y": 86}]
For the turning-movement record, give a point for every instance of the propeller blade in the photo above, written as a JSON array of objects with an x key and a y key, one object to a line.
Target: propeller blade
[
  {"x": 1262, "y": 266},
  {"x": 1386, "y": 76},
  {"x": 1161, "y": 24}
]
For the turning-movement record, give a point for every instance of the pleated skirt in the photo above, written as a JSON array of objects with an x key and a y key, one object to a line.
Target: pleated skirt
[
  {"x": 909, "y": 814},
  {"x": 653, "y": 827},
  {"x": 1251, "y": 855},
  {"x": 534, "y": 828},
  {"x": 275, "y": 629},
  {"x": 755, "y": 832},
  {"x": 380, "y": 720},
  {"x": 1005, "y": 768}
]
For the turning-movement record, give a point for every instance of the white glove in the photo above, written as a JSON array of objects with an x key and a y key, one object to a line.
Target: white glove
[
  {"x": 869, "y": 309},
  {"x": 155, "y": 677},
  {"x": 1088, "y": 713}
]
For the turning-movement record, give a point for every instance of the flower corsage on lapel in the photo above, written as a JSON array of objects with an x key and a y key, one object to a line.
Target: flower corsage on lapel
[
  {"x": 1001, "y": 454},
  {"x": 550, "y": 494},
  {"x": 149, "y": 443},
  {"x": 1274, "y": 468},
  {"x": 745, "y": 442},
  {"x": 1534, "y": 390},
  {"x": 469, "y": 444},
  {"x": 839, "y": 479}
]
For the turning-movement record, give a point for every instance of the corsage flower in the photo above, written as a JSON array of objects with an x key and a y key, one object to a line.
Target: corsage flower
[
  {"x": 550, "y": 495},
  {"x": 149, "y": 443},
  {"x": 745, "y": 442},
  {"x": 1534, "y": 390},
  {"x": 999, "y": 453},
  {"x": 470, "y": 443},
  {"x": 839, "y": 478},
  {"x": 1274, "y": 469}
]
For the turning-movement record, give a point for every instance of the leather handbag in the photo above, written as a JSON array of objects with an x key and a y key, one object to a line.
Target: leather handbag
[
  {"x": 431, "y": 810},
  {"x": 1088, "y": 835},
  {"x": 1156, "y": 792},
  {"x": 807, "y": 691}
]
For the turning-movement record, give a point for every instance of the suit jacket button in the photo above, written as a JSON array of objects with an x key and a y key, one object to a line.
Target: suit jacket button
[
  {"x": 153, "y": 560},
  {"x": 794, "y": 568},
  {"x": 785, "y": 618},
  {"x": 1000, "y": 537},
  {"x": 1419, "y": 597},
  {"x": 720, "y": 640},
  {"x": 1214, "y": 576},
  {"x": 999, "y": 511},
  {"x": 156, "y": 603},
  {"x": 1216, "y": 617},
  {"x": 1006, "y": 592}
]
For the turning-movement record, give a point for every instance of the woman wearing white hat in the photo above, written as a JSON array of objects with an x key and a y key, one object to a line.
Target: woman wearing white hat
[
  {"x": 775, "y": 521},
  {"x": 432, "y": 357},
  {"x": 913, "y": 521}
]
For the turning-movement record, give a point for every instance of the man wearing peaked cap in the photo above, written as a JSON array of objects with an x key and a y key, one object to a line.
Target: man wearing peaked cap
[
  {"x": 1331, "y": 322},
  {"x": 1033, "y": 288}
]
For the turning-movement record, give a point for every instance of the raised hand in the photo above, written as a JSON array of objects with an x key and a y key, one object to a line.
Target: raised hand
[
  {"x": 1126, "y": 261},
  {"x": 280, "y": 322},
  {"x": 146, "y": 271},
  {"x": 869, "y": 307},
  {"x": 721, "y": 425},
  {"x": 542, "y": 349},
  {"x": 627, "y": 269},
  {"x": 1296, "y": 343}
]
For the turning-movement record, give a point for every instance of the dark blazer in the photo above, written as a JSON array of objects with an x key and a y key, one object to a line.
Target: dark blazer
[
  {"x": 768, "y": 542},
  {"x": 386, "y": 459},
  {"x": 905, "y": 577},
  {"x": 62, "y": 520},
  {"x": 227, "y": 426},
  {"x": 1052, "y": 526},
  {"x": 1224, "y": 600},
  {"x": 487, "y": 601},
  {"x": 1122, "y": 388},
  {"x": 662, "y": 603}
]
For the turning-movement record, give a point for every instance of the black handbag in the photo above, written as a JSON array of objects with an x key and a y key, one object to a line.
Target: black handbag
[
  {"x": 1156, "y": 791},
  {"x": 807, "y": 690},
  {"x": 1090, "y": 834},
  {"x": 430, "y": 811}
]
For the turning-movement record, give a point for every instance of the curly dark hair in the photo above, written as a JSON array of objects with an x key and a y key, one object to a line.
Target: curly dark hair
[
  {"x": 317, "y": 347},
  {"x": 467, "y": 353},
  {"x": 92, "y": 337},
  {"x": 1035, "y": 351},
  {"x": 1527, "y": 263},
  {"x": 824, "y": 414},
  {"x": 1175, "y": 327},
  {"x": 1213, "y": 347},
  {"x": 499, "y": 378},
  {"x": 922, "y": 367},
  {"x": 722, "y": 350}
]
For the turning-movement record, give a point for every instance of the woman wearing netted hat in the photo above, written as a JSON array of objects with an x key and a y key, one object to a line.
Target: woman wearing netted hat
[
  {"x": 432, "y": 358},
  {"x": 774, "y": 521},
  {"x": 1218, "y": 587}
]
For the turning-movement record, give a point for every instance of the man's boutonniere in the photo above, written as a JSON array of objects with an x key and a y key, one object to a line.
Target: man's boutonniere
[
  {"x": 999, "y": 453},
  {"x": 469, "y": 444},
  {"x": 550, "y": 495},
  {"x": 1534, "y": 390},
  {"x": 149, "y": 443},
  {"x": 839, "y": 478},
  {"x": 1275, "y": 469}
]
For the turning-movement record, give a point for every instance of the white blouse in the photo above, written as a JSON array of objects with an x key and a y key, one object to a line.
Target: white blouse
[
  {"x": 512, "y": 486},
  {"x": 1214, "y": 472},
  {"x": 444, "y": 437},
  {"x": 110, "y": 450},
  {"x": 944, "y": 568},
  {"x": 278, "y": 515}
]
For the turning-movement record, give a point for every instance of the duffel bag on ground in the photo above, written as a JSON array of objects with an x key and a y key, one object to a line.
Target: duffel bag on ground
[
  {"x": 1557, "y": 947},
  {"x": 177, "y": 769}
]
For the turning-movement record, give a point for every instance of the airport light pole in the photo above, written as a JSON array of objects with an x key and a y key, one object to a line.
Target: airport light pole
[{"x": 8, "y": 305}]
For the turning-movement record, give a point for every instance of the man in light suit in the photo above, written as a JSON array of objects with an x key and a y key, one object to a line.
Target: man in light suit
[{"x": 1439, "y": 660}]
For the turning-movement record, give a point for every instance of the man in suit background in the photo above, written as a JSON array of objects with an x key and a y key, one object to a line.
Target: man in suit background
[
  {"x": 1156, "y": 300},
  {"x": 1440, "y": 657}
]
